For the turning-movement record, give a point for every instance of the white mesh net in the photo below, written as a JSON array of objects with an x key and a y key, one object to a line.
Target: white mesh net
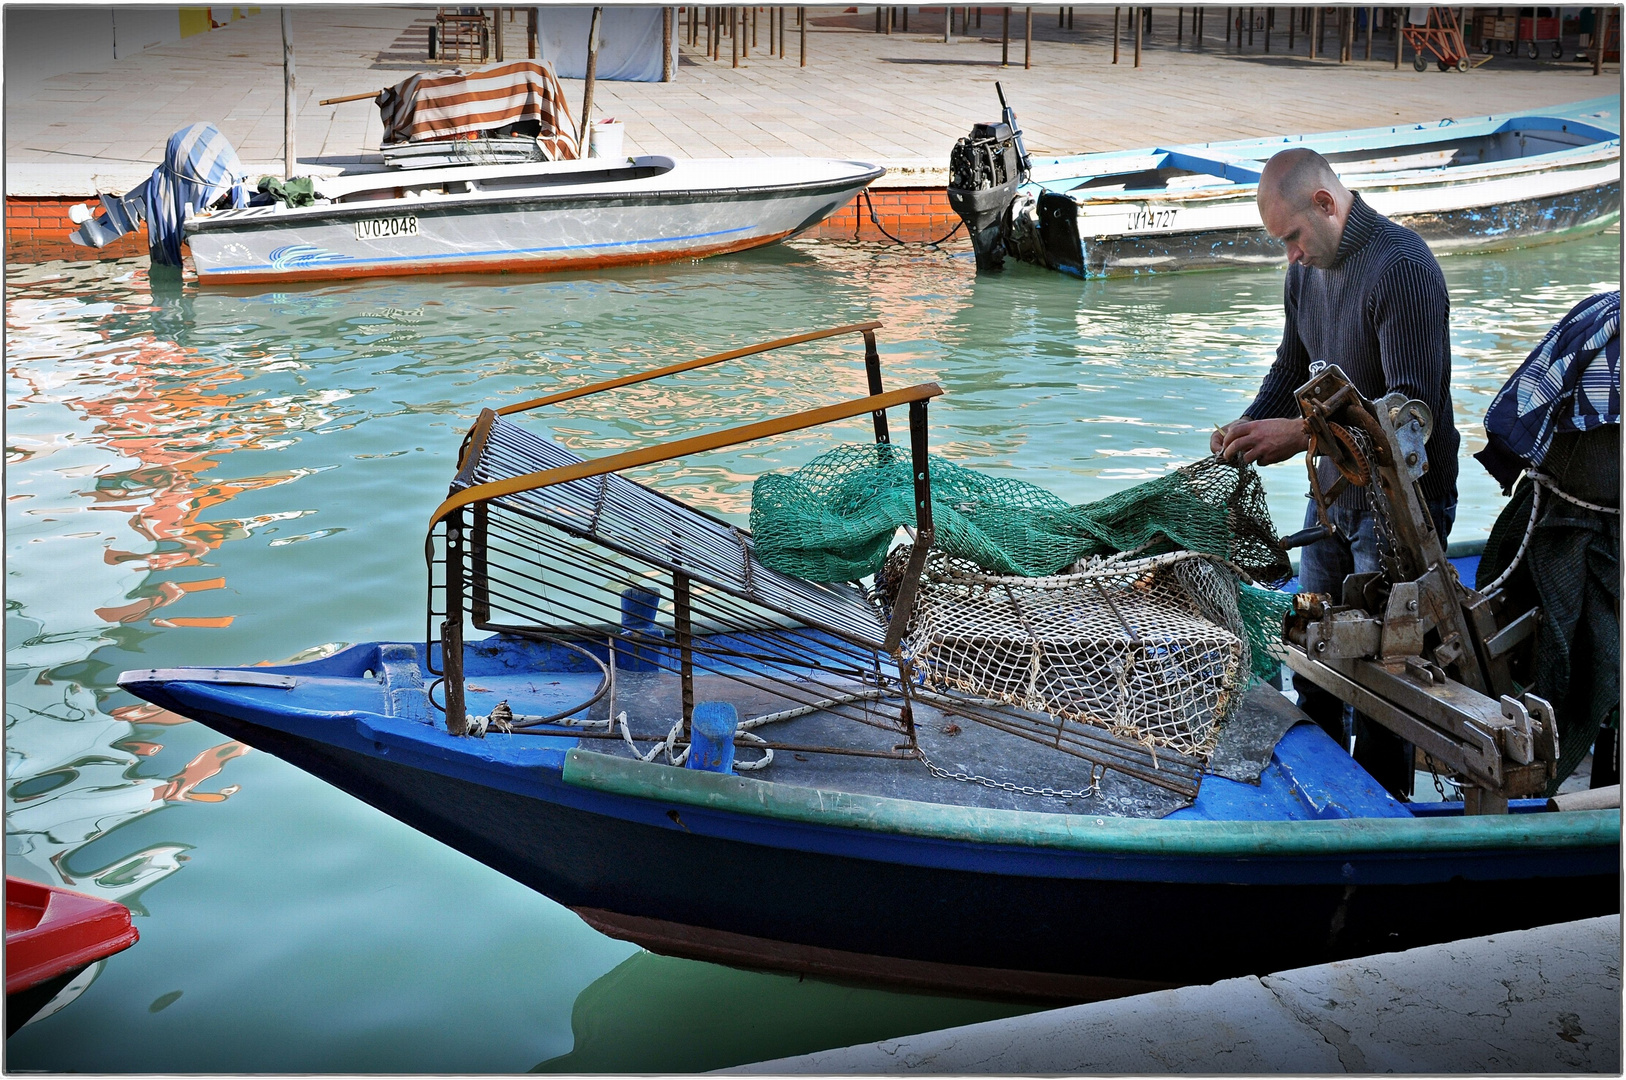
[{"x": 1151, "y": 649}]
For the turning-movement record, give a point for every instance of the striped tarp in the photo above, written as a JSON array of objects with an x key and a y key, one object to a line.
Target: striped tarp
[
  {"x": 455, "y": 104},
  {"x": 1569, "y": 382},
  {"x": 200, "y": 170},
  {"x": 200, "y": 167}
]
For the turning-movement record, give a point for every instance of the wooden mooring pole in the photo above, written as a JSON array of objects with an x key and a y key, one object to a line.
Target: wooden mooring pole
[
  {"x": 666, "y": 44},
  {"x": 1600, "y": 41},
  {"x": 801, "y": 20},
  {"x": 1140, "y": 25},
  {"x": 1027, "y": 44},
  {"x": 1005, "y": 41},
  {"x": 592, "y": 76},
  {"x": 290, "y": 101},
  {"x": 1115, "y": 34}
]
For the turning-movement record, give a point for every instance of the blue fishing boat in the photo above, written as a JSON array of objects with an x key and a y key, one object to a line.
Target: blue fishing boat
[
  {"x": 1463, "y": 184},
  {"x": 1065, "y": 786}
]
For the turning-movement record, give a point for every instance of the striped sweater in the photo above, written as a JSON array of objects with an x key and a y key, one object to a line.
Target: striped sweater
[{"x": 1380, "y": 313}]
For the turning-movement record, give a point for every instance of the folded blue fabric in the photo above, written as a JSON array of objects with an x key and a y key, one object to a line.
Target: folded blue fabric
[{"x": 1570, "y": 382}]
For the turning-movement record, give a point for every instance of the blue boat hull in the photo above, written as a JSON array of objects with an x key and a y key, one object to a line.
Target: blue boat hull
[{"x": 701, "y": 879}]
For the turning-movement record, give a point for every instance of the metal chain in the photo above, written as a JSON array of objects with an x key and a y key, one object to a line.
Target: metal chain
[
  {"x": 1388, "y": 543},
  {"x": 1435, "y": 773},
  {"x": 1016, "y": 789}
]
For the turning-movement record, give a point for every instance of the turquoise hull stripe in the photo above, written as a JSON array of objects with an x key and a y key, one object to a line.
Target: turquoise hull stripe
[{"x": 1087, "y": 833}]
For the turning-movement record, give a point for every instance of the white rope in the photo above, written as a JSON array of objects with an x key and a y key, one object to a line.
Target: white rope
[
  {"x": 1551, "y": 485},
  {"x": 1541, "y": 481},
  {"x": 503, "y": 719},
  {"x": 1524, "y": 544},
  {"x": 626, "y": 734},
  {"x": 808, "y": 710}
]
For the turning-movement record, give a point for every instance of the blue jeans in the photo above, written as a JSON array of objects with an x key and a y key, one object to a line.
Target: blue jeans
[{"x": 1323, "y": 566}]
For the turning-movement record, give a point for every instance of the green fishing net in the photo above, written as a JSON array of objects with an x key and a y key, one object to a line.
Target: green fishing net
[
  {"x": 1262, "y": 613},
  {"x": 834, "y": 518}
]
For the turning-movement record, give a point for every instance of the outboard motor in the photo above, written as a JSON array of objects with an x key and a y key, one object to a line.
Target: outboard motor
[
  {"x": 985, "y": 169},
  {"x": 200, "y": 169}
]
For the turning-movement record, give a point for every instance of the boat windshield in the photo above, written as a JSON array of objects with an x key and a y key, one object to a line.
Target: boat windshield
[{"x": 473, "y": 180}]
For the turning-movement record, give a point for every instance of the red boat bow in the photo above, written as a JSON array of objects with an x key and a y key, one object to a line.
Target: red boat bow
[{"x": 51, "y": 931}]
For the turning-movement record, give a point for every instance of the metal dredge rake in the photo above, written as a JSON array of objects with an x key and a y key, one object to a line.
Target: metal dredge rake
[{"x": 535, "y": 542}]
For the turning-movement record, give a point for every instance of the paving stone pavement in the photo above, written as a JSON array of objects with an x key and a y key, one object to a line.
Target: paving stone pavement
[
  {"x": 1546, "y": 1000},
  {"x": 900, "y": 99}
]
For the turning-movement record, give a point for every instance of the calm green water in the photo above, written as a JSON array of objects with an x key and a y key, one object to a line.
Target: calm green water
[{"x": 223, "y": 479}]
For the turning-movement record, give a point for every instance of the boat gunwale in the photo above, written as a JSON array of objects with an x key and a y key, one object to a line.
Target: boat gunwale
[
  {"x": 1392, "y": 135},
  {"x": 1406, "y": 179},
  {"x": 231, "y": 220},
  {"x": 1095, "y": 834}
]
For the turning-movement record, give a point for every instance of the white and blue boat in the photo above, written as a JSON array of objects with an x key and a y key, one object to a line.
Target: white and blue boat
[
  {"x": 592, "y": 643},
  {"x": 1464, "y": 184}
]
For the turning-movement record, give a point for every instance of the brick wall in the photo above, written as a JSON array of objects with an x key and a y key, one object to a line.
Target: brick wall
[
  {"x": 907, "y": 213},
  {"x": 37, "y": 228}
]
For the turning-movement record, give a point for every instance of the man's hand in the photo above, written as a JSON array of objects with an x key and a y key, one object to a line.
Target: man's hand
[
  {"x": 1261, "y": 442},
  {"x": 1216, "y": 441}
]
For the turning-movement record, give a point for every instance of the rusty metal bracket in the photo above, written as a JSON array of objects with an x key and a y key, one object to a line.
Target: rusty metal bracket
[
  {"x": 903, "y": 607},
  {"x": 872, "y": 371}
]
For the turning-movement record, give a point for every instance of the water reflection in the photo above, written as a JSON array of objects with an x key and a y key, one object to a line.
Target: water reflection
[
  {"x": 231, "y": 477},
  {"x": 658, "y": 1014}
]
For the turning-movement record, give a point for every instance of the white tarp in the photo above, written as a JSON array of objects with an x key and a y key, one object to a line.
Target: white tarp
[{"x": 629, "y": 45}]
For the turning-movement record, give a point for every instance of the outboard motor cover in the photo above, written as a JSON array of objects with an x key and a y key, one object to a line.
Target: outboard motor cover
[{"x": 985, "y": 168}]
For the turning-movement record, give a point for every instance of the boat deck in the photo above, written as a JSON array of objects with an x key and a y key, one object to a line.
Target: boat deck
[{"x": 1263, "y": 768}]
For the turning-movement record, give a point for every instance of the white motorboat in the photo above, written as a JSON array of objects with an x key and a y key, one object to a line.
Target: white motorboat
[
  {"x": 528, "y": 218},
  {"x": 532, "y": 217},
  {"x": 480, "y": 172}
]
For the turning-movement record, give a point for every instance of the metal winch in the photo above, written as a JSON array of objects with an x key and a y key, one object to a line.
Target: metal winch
[{"x": 1410, "y": 645}]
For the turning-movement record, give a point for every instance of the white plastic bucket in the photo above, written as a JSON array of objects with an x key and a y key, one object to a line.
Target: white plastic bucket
[{"x": 604, "y": 138}]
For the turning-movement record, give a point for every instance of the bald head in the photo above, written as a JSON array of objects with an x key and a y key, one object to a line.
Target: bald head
[
  {"x": 1303, "y": 204},
  {"x": 1292, "y": 178}
]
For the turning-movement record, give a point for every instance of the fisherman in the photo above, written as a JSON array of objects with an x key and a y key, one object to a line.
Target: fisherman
[{"x": 1367, "y": 295}]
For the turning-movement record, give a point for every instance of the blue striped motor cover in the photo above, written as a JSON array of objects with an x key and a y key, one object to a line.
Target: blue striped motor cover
[{"x": 199, "y": 167}]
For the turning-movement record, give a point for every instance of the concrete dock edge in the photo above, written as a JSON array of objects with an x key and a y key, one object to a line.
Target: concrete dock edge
[{"x": 1546, "y": 1000}]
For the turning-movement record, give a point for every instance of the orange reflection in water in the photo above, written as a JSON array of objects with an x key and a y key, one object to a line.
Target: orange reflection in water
[
  {"x": 206, "y": 765},
  {"x": 177, "y": 414}
]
